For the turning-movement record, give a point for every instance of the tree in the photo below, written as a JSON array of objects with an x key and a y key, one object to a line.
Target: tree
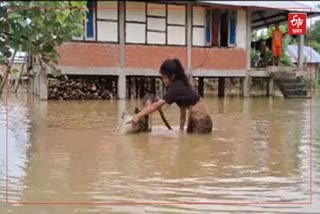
[
  {"x": 312, "y": 37},
  {"x": 39, "y": 27}
]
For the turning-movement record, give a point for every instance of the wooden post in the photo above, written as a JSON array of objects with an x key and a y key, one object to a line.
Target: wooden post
[
  {"x": 142, "y": 87},
  {"x": 133, "y": 87},
  {"x": 115, "y": 84},
  {"x": 159, "y": 88},
  {"x": 163, "y": 88},
  {"x": 137, "y": 86},
  {"x": 153, "y": 85},
  {"x": 148, "y": 84},
  {"x": 129, "y": 87},
  {"x": 201, "y": 86},
  {"x": 221, "y": 87}
]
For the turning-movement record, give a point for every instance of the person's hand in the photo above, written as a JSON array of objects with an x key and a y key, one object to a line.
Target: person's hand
[{"x": 135, "y": 120}]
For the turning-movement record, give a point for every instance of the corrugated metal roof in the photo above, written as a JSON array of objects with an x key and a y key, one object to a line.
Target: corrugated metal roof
[
  {"x": 309, "y": 53},
  {"x": 280, "y": 5},
  {"x": 267, "y": 13}
]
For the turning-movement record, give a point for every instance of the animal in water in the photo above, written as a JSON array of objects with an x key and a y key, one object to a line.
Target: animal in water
[{"x": 145, "y": 123}]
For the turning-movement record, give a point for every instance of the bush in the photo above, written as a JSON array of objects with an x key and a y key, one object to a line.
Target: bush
[{"x": 310, "y": 81}]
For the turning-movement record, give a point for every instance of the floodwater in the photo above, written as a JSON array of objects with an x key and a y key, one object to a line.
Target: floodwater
[{"x": 68, "y": 152}]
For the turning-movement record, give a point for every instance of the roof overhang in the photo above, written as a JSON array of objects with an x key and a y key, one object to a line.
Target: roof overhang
[{"x": 266, "y": 13}]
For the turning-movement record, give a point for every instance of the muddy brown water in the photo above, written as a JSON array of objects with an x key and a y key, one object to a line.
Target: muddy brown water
[{"x": 68, "y": 152}]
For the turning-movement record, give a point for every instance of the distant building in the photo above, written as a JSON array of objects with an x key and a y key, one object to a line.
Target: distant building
[{"x": 311, "y": 57}]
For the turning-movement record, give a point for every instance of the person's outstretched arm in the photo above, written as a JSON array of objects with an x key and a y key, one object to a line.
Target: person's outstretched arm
[{"x": 148, "y": 110}]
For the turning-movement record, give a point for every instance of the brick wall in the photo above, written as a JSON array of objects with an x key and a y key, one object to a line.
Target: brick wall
[
  {"x": 80, "y": 54},
  {"x": 219, "y": 58},
  {"x": 139, "y": 56}
]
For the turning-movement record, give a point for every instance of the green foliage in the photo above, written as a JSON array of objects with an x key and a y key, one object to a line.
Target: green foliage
[
  {"x": 40, "y": 30},
  {"x": 285, "y": 59},
  {"x": 310, "y": 82},
  {"x": 313, "y": 33},
  {"x": 14, "y": 71},
  {"x": 254, "y": 57},
  {"x": 312, "y": 37},
  {"x": 254, "y": 36}
]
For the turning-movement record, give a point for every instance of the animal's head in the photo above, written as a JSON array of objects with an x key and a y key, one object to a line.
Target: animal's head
[{"x": 124, "y": 115}]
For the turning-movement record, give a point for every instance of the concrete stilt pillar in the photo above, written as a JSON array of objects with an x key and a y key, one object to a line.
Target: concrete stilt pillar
[
  {"x": 189, "y": 41},
  {"x": 122, "y": 76},
  {"x": 270, "y": 88},
  {"x": 31, "y": 85},
  {"x": 121, "y": 109},
  {"x": 317, "y": 75},
  {"x": 246, "y": 86},
  {"x": 249, "y": 29},
  {"x": 36, "y": 85},
  {"x": 121, "y": 86},
  {"x": 43, "y": 85},
  {"x": 246, "y": 80}
]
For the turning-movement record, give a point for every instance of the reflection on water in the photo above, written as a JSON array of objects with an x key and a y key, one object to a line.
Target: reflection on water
[{"x": 69, "y": 152}]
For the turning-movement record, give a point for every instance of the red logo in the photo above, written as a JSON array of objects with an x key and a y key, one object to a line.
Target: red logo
[{"x": 297, "y": 23}]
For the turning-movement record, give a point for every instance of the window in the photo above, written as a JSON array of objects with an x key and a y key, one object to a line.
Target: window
[
  {"x": 233, "y": 24},
  {"x": 89, "y": 25},
  {"x": 224, "y": 28},
  {"x": 220, "y": 28},
  {"x": 208, "y": 27}
]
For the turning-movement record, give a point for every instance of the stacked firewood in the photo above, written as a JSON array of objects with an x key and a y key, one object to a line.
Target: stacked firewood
[{"x": 80, "y": 88}]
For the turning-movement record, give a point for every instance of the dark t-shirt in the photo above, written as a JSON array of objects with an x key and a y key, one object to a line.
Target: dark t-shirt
[{"x": 181, "y": 94}]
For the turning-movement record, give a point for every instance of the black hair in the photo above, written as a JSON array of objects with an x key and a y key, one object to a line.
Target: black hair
[{"x": 174, "y": 70}]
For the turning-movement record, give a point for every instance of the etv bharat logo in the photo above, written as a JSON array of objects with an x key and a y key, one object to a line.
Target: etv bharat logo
[{"x": 297, "y": 23}]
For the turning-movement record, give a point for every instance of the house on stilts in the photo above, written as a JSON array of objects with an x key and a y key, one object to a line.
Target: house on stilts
[{"x": 128, "y": 40}]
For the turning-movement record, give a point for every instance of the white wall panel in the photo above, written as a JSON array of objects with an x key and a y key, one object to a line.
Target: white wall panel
[
  {"x": 107, "y": 31},
  {"x": 241, "y": 29},
  {"x": 157, "y": 24},
  {"x": 156, "y": 38},
  {"x": 176, "y": 14},
  {"x": 176, "y": 35},
  {"x": 135, "y": 33},
  {"x": 135, "y": 11},
  {"x": 198, "y": 36},
  {"x": 156, "y": 9},
  {"x": 105, "y": 11},
  {"x": 199, "y": 16}
]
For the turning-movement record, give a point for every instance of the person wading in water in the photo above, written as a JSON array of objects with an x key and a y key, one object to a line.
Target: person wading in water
[{"x": 181, "y": 92}]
